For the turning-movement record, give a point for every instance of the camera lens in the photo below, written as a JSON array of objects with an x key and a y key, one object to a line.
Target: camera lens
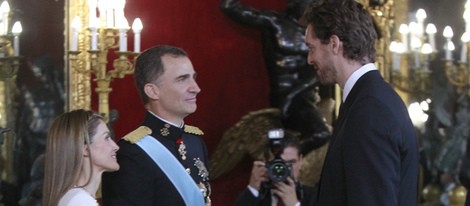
[{"x": 278, "y": 171}]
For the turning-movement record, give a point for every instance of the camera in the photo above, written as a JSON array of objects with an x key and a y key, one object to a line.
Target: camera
[{"x": 278, "y": 169}]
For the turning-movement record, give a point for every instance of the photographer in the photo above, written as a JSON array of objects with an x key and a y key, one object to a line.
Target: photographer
[{"x": 290, "y": 193}]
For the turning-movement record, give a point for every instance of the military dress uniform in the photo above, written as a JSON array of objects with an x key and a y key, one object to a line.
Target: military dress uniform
[{"x": 140, "y": 181}]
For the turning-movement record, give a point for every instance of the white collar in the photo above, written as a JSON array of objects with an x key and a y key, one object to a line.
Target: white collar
[
  {"x": 354, "y": 77},
  {"x": 166, "y": 121}
]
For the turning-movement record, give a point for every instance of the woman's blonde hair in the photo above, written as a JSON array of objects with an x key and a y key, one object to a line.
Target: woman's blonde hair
[{"x": 66, "y": 137}]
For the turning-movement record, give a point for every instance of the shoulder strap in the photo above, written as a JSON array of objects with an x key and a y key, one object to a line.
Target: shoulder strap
[
  {"x": 173, "y": 169},
  {"x": 193, "y": 130}
]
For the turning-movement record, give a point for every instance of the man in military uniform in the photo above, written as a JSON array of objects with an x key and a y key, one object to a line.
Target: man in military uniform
[{"x": 163, "y": 162}]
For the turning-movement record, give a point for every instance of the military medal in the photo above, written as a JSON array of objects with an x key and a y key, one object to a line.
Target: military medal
[
  {"x": 203, "y": 172},
  {"x": 165, "y": 130},
  {"x": 181, "y": 148}
]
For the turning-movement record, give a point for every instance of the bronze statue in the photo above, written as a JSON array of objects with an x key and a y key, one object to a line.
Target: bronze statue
[
  {"x": 40, "y": 100},
  {"x": 292, "y": 80},
  {"x": 293, "y": 85}
]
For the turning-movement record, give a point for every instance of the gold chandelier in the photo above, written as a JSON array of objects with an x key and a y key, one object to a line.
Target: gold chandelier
[
  {"x": 458, "y": 72},
  {"x": 105, "y": 33},
  {"x": 411, "y": 56}
]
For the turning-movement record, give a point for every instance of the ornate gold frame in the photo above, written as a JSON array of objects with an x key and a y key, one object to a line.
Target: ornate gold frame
[{"x": 79, "y": 84}]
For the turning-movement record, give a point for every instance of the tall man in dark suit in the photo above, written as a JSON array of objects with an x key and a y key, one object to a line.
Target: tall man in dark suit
[
  {"x": 373, "y": 154},
  {"x": 292, "y": 193},
  {"x": 164, "y": 161}
]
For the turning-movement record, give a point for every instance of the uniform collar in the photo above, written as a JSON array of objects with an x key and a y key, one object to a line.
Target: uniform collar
[
  {"x": 168, "y": 122},
  {"x": 162, "y": 128}
]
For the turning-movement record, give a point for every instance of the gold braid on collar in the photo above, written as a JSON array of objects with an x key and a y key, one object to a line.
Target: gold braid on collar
[
  {"x": 138, "y": 134},
  {"x": 193, "y": 130}
]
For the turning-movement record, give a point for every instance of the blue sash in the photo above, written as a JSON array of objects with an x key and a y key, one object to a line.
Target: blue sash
[{"x": 173, "y": 169}]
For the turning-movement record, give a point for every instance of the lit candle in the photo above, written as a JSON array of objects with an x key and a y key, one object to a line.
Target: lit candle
[
  {"x": 118, "y": 7},
  {"x": 123, "y": 27},
  {"x": 94, "y": 24},
  {"x": 415, "y": 45},
  {"x": 450, "y": 48},
  {"x": 137, "y": 28},
  {"x": 463, "y": 54},
  {"x": 466, "y": 17},
  {"x": 102, "y": 11},
  {"x": 5, "y": 9},
  {"x": 92, "y": 4},
  {"x": 426, "y": 50},
  {"x": 1, "y": 29},
  {"x": 404, "y": 30},
  {"x": 420, "y": 17},
  {"x": 109, "y": 14},
  {"x": 448, "y": 34},
  {"x": 16, "y": 30},
  {"x": 396, "y": 48},
  {"x": 76, "y": 25},
  {"x": 414, "y": 29},
  {"x": 431, "y": 31}
]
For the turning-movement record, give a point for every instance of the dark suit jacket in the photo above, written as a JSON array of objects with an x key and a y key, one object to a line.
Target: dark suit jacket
[
  {"x": 140, "y": 182},
  {"x": 373, "y": 154},
  {"x": 246, "y": 198}
]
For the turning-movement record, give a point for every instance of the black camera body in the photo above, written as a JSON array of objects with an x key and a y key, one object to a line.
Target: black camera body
[{"x": 278, "y": 169}]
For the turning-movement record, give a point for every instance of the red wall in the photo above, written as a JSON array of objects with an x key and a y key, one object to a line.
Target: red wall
[{"x": 231, "y": 73}]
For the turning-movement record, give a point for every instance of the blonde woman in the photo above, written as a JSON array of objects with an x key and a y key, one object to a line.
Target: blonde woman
[{"x": 79, "y": 149}]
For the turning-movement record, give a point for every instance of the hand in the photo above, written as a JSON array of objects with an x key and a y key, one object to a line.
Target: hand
[
  {"x": 286, "y": 192},
  {"x": 259, "y": 174}
]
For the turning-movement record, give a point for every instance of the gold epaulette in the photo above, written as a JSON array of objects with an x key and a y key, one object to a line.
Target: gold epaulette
[
  {"x": 138, "y": 134},
  {"x": 193, "y": 130}
]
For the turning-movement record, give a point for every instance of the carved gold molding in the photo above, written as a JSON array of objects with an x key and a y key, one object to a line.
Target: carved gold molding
[
  {"x": 388, "y": 18},
  {"x": 401, "y": 17},
  {"x": 7, "y": 119},
  {"x": 79, "y": 84}
]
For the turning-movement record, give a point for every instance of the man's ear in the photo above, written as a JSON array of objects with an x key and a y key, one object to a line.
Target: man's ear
[
  {"x": 336, "y": 44},
  {"x": 152, "y": 91}
]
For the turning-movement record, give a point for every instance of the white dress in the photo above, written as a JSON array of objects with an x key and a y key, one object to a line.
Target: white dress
[{"x": 77, "y": 197}]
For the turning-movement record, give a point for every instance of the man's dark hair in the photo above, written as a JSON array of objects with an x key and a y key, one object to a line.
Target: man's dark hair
[
  {"x": 348, "y": 20},
  {"x": 291, "y": 139},
  {"x": 149, "y": 66}
]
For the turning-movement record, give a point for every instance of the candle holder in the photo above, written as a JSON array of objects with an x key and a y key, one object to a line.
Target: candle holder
[
  {"x": 90, "y": 55},
  {"x": 410, "y": 71},
  {"x": 458, "y": 76},
  {"x": 412, "y": 74},
  {"x": 9, "y": 63},
  {"x": 97, "y": 62},
  {"x": 415, "y": 82}
]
